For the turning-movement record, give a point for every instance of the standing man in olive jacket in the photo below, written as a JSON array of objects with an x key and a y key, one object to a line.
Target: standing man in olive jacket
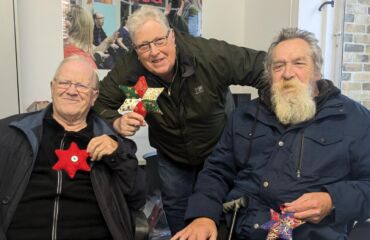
[
  {"x": 196, "y": 74},
  {"x": 39, "y": 200}
]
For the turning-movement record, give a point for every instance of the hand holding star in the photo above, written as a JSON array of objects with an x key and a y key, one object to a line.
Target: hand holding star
[
  {"x": 312, "y": 207},
  {"x": 101, "y": 146},
  {"x": 129, "y": 123}
]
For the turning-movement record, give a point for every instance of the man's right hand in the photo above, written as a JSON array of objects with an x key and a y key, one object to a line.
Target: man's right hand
[
  {"x": 128, "y": 124},
  {"x": 200, "y": 229}
]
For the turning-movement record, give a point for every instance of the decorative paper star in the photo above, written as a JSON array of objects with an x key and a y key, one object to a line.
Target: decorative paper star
[
  {"x": 140, "y": 98},
  {"x": 71, "y": 160},
  {"x": 281, "y": 226}
]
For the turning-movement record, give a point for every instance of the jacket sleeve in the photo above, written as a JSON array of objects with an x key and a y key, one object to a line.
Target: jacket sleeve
[
  {"x": 246, "y": 66},
  {"x": 215, "y": 180},
  {"x": 230, "y": 64},
  {"x": 127, "y": 175},
  {"x": 351, "y": 198}
]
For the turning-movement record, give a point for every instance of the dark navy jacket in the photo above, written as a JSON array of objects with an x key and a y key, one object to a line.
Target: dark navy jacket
[
  {"x": 118, "y": 183},
  {"x": 329, "y": 153}
]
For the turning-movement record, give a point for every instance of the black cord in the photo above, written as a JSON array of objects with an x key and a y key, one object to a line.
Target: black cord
[{"x": 326, "y": 3}]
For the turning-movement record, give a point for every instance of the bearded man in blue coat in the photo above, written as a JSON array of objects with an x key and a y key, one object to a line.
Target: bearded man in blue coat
[{"x": 301, "y": 149}]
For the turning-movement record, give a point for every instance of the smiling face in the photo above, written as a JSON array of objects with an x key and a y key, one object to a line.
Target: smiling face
[
  {"x": 158, "y": 60},
  {"x": 70, "y": 104}
]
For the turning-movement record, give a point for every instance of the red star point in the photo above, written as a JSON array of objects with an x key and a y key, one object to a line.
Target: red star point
[{"x": 71, "y": 160}]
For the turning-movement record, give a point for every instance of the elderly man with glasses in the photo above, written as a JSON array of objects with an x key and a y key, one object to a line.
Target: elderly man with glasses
[
  {"x": 64, "y": 172},
  {"x": 196, "y": 74}
]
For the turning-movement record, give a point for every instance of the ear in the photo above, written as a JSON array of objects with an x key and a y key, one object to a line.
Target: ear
[
  {"x": 94, "y": 97},
  {"x": 51, "y": 87},
  {"x": 173, "y": 35}
]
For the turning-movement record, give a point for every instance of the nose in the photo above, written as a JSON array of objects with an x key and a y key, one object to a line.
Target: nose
[
  {"x": 154, "y": 50},
  {"x": 72, "y": 89},
  {"x": 288, "y": 72}
]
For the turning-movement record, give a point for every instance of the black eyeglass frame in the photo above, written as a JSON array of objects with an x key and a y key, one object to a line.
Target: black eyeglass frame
[{"x": 146, "y": 47}]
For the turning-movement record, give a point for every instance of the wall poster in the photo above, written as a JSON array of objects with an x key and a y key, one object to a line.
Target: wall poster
[{"x": 96, "y": 28}]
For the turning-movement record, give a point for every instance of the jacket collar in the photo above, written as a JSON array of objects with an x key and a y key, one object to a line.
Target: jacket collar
[
  {"x": 31, "y": 126},
  {"x": 187, "y": 61}
]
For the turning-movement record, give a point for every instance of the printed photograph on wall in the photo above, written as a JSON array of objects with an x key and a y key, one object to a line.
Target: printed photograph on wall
[{"x": 96, "y": 29}]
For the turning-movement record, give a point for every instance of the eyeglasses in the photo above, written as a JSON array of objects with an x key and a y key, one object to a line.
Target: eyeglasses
[
  {"x": 158, "y": 42},
  {"x": 65, "y": 84}
]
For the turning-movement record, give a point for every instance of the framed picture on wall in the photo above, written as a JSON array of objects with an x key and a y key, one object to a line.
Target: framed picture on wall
[{"x": 96, "y": 29}]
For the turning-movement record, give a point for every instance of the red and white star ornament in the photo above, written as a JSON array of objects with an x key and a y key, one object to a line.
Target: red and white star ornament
[
  {"x": 71, "y": 160},
  {"x": 140, "y": 98},
  {"x": 281, "y": 225}
]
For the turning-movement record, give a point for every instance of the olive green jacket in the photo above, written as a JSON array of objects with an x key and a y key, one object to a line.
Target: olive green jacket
[{"x": 195, "y": 112}]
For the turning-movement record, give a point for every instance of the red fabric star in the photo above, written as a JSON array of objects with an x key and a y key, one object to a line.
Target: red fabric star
[
  {"x": 140, "y": 98},
  {"x": 71, "y": 160}
]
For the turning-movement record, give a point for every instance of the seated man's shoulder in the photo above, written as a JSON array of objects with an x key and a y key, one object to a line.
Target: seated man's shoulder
[
  {"x": 14, "y": 118},
  {"x": 354, "y": 108}
]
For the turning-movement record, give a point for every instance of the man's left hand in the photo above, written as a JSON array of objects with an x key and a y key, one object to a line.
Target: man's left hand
[
  {"x": 311, "y": 207},
  {"x": 101, "y": 146}
]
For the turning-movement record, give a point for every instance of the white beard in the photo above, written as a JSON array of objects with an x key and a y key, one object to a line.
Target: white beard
[{"x": 292, "y": 101}]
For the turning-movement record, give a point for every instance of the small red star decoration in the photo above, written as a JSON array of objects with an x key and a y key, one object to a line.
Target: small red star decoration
[
  {"x": 281, "y": 225},
  {"x": 71, "y": 160}
]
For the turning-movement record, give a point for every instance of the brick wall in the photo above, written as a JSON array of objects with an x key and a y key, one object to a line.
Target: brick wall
[{"x": 356, "y": 51}]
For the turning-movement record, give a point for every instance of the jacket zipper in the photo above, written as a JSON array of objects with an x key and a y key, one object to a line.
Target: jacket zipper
[
  {"x": 300, "y": 159},
  {"x": 169, "y": 89},
  {"x": 57, "y": 198}
]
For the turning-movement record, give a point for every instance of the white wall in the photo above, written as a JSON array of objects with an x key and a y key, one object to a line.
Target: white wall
[
  {"x": 248, "y": 23},
  {"x": 40, "y": 47},
  {"x": 223, "y": 20},
  {"x": 326, "y": 25},
  {"x": 8, "y": 67}
]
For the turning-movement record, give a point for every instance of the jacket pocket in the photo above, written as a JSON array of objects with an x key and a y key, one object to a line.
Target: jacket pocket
[
  {"x": 325, "y": 152},
  {"x": 250, "y": 146}
]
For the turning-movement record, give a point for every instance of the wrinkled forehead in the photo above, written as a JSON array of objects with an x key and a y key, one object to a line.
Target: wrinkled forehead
[
  {"x": 150, "y": 30},
  {"x": 291, "y": 49},
  {"x": 76, "y": 70}
]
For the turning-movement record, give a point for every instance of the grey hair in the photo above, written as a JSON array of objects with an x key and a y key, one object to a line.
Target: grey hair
[
  {"x": 77, "y": 58},
  {"x": 144, "y": 14},
  {"x": 292, "y": 33}
]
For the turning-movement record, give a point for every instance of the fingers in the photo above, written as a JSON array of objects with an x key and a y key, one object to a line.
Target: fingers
[
  {"x": 200, "y": 229},
  {"x": 101, "y": 146},
  {"x": 129, "y": 123},
  {"x": 300, "y": 204},
  {"x": 312, "y": 207},
  {"x": 183, "y": 234}
]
